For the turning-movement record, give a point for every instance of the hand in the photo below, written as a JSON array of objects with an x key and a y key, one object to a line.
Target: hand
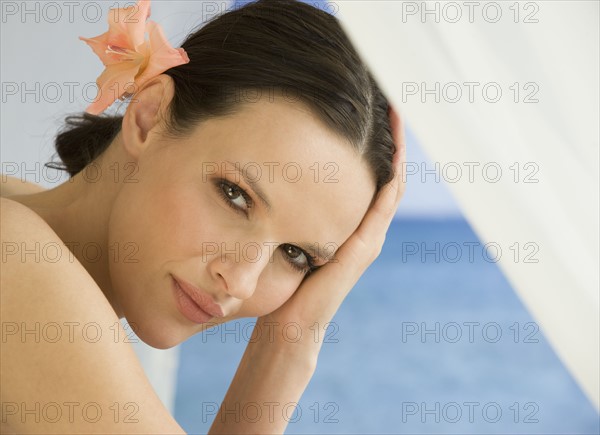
[{"x": 319, "y": 296}]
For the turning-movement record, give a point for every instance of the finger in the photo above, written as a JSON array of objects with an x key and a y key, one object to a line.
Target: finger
[
  {"x": 364, "y": 245},
  {"x": 377, "y": 220},
  {"x": 380, "y": 214},
  {"x": 398, "y": 135},
  {"x": 397, "y": 128}
]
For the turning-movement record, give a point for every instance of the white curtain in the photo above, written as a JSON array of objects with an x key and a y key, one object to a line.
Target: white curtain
[
  {"x": 515, "y": 135},
  {"x": 160, "y": 367}
]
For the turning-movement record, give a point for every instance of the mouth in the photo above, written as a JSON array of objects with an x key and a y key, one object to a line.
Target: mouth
[{"x": 195, "y": 305}]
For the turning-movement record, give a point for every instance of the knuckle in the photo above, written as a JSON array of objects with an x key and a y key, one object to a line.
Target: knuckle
[{"x": 375, "y": 252}]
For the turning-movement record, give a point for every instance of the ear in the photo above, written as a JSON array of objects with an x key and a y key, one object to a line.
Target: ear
[{"x": 145, "y": 113}]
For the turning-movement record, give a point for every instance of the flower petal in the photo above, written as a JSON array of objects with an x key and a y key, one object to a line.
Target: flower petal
[
  {"x": 99, "y": 45},
  {"x": 115, "y": 81},
  {"x": 128, "y": 25},
  {"x": 162, "y": 54},
  {"x": 126, "y": 31}
]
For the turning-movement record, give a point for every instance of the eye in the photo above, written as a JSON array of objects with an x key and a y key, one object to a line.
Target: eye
[
  {"x": 240, "y": 201},
  {"x": 234, "y": 196},
  {"x": 299, "y": 260}
]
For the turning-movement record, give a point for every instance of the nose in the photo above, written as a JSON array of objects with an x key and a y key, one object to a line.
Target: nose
[{"x": 238, "y": 270}]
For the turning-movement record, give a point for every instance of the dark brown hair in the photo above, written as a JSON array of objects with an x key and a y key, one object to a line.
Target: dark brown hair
[{"x": 282, "y": 45}]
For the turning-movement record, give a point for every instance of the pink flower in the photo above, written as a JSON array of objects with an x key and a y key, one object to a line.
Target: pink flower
[{"x": 130, "y": 59}]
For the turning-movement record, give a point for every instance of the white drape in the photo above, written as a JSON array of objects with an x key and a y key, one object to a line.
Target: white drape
[
  {"x": 160, "y": 366},
  {"x": 411, "y": 46}
]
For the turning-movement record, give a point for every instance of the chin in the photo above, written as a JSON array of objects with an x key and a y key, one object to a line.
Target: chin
[
  {"x": 158, "y": 333},
  {"x": 161, "y": 341}
]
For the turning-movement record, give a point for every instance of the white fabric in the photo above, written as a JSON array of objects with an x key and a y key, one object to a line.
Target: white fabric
[
  {"x": 160, "y": 367},
  {"x": 559, "y": 55}
]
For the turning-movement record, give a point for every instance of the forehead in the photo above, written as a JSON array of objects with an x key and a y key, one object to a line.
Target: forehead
[{"x": 319, "y": 188}]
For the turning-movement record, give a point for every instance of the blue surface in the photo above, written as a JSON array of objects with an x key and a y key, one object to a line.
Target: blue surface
[{"x": 379, "y": 378}]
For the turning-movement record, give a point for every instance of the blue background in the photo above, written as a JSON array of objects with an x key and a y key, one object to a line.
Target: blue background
[
  {"x": 373, "y": 376},
  {"x": 369, "y": 380}
]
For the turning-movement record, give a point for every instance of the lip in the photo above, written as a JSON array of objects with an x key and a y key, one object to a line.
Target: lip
[{"x": 193, "y": 303}]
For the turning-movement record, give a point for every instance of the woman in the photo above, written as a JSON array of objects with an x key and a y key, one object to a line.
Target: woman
[{"x": 256, "y": 180}]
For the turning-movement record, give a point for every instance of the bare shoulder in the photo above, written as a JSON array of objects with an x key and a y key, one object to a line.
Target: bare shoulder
[
  {"x": 17, "y": 218},
  {"x": 31, "y": 249},
  {"x": 21, "y": 230},
  {"x": 32, "y": 254},
  {"x": 15, "y": 186},
  {"x": 11, "y": 209},
  {"x": 64, "y": 352}
]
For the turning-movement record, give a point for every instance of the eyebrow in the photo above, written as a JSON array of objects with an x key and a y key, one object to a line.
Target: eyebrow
[
  {"x": 253, "y": 184},
  {"x": 263, "y": 198}
]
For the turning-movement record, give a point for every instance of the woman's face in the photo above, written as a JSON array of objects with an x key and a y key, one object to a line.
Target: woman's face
[{"x": 189, "y": 213}]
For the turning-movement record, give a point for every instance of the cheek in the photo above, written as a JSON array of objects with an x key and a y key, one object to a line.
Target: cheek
[
  {"x": 166, "y": 222},
  {"x": 274, "y": 288},
  {"x": 158, "y": 222},
  {"x": 191, "y": 222}
]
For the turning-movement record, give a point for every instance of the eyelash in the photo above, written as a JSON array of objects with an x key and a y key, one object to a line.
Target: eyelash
[{"x": 309, "y": 258}]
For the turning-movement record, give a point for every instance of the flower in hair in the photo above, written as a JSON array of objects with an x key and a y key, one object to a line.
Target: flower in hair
[{"x": 130, "y": 59}]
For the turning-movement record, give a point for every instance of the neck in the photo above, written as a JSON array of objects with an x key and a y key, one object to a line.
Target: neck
[{"x": 79, "y": 211}]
